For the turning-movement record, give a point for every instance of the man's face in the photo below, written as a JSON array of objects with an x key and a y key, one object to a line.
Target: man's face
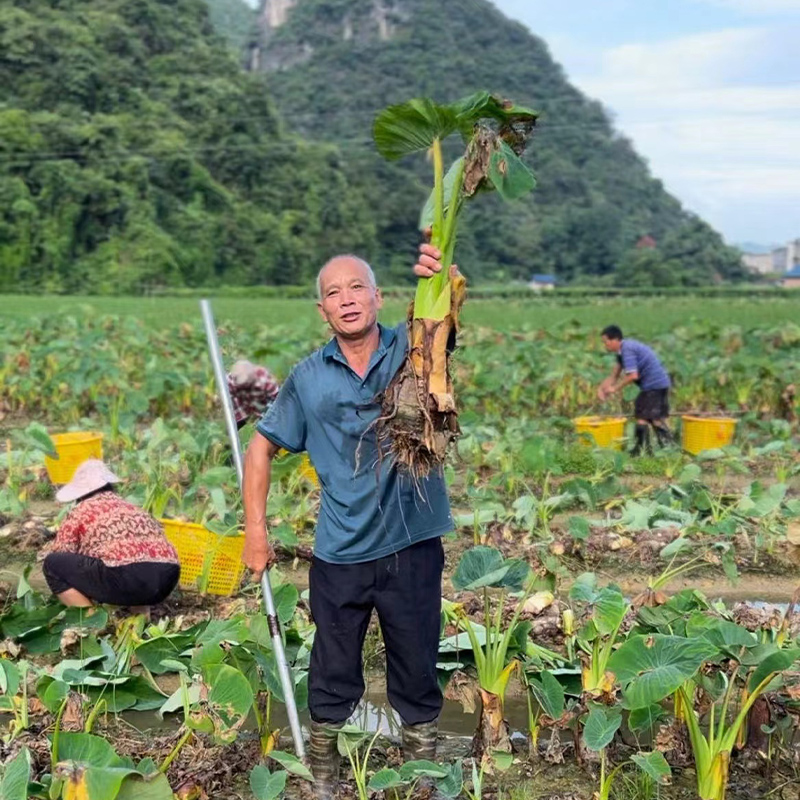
[
  {"x": 612, "y": 345},
  {"x": 349, "y": 302}
]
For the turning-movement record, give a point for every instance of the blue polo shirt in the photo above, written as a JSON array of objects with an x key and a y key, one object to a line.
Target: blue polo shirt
[
  {"x": 637, "y": 357},
  {"x": 368, "y": 508}
]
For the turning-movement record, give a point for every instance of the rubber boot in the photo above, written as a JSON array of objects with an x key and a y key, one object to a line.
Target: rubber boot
[
  {"x": 664, "y": 436},
  {"x": 642, "y": 440},
  {"x": 419, "y": 741},
  {"x": 323, "y": 757}
]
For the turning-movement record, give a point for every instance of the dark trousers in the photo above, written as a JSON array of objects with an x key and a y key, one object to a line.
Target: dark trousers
[
  {"x": 140, "y": 584},
  {"x": 406, "y": 590}
]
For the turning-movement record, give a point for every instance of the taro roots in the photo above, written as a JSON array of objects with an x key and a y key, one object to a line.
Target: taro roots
[{"x": 419, "y": 417}]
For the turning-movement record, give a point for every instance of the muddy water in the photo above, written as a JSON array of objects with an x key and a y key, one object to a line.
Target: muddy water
[{"x": 373, "y": 714}]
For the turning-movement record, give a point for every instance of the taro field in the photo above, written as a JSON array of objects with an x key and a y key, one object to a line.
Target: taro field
[{"x": 612, "y": 628}]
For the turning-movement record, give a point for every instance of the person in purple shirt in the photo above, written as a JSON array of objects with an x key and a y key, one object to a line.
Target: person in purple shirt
[{"x": 637, "y": 363}]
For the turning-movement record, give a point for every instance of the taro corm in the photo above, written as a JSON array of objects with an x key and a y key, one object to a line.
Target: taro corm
[{"x": 419, "y": 411}]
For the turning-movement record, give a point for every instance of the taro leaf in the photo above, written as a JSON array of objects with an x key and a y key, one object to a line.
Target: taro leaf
[
  {"x": 584, "y": 589},
  {"x": 727, "y": 636},
  {"x": 286, "y": 597},
  {"x": 600, "y": 727},
  {"x": 674, "y": 547},
  {"x": 776, "y": 662},
  {"x": 78, "y": 668},
  {"x": 145, "y": 786},
  {"x": 609, "y": 609},
  {"x": 480, "y": 566},
  {"x": 654, "y": 765},
  {"x": 412, "y": 770},
  {"x": 20, "y": 621},
  {"x": 36, "y": 436},
  {"x": 9, "y": 677},
  {"x": 508, "y": 173},
  {"x": 579, "y": 528},
  {"x": 230, "y": 698},
  {"x": 14, "y": 784},
  {"x": 652, "y": 667},
  {"x": 517, "y": 575},
  {"x": 147, "y": 766},
  {"x": 86, "y": 749},
  {"x": 549, "y": 694},
  {"x": 175, "y": 701},
  {"x": 267, "y": 785},
  {"x": 450, "y": 786},
  {"x": 285, "y": 534},
  {"x": 385, "y": 779},
  {"x": 51, "y": 692},
  {"x": 91, "y": 783},
  {"x": 761, "y": 502},
  {"x": 146, "y": 697},
  {"x": 350, "y": 738},
  {"x": 291, "y": 763},
  {"x": 412, "y": 126},
  {"x": 224, "y": 630},
  {"x": 154, "y": 652},
  {"x": 427, "y": 215},
  {"x": 482, "y": 105},
  {"x": 644, "y": 720}
]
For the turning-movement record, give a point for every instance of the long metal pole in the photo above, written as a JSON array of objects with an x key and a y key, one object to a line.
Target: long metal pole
[{"x": 269, "y": 602}]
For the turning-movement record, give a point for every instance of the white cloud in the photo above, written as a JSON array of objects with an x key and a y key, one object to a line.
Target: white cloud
[
  {"x": 758, "y": 7},
  {"x": 720, "y": 139}
]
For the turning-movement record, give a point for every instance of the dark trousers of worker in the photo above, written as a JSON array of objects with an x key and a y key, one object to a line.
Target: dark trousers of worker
[
  {"x": 140, "y": 584},
  {"x": 406, "y": 591}
]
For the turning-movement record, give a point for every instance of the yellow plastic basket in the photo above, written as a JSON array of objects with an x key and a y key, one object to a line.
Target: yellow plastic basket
[
  {"x": 203, "y": 553},
  {"x": 307, "y": 471},
  {"x": 706, "y": 433},
  {"x": 606, "y": 431},
  {"x": 73, "y": 449}
]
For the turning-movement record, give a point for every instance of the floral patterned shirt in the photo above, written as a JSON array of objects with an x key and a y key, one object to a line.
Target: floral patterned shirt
[
  {"x": 117, "y": 532},
  {"x": 252, "y": 392}
]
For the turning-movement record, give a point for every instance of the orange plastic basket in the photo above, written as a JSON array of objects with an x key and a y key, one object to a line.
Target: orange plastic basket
[
  {"x": 706, "y": 433},
  {"x": 73, "y": 449},
  {"x": 606, "y": 431},
  {"x": 206, "y": 557}
]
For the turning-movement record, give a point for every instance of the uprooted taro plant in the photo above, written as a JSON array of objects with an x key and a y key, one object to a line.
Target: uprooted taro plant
[
  {"x": 419, "y": 412},
  {"x": 498, "y": 645}
]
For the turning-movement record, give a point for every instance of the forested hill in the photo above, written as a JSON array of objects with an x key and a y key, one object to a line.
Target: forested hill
[
  {"x": 334, "y": 63},
  {"x": 135, "y": 153}
]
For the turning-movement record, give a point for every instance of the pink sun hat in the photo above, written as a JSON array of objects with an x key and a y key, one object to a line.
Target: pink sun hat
[{"x": 90, "y": 476}]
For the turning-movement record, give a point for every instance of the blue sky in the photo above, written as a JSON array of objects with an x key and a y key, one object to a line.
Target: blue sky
[{"x": 708, "y": 90}]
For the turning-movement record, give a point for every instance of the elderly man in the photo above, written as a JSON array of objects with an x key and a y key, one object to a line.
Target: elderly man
[
  {"x": 377, "y": 542},
  {"x": 637, "y": 363}
]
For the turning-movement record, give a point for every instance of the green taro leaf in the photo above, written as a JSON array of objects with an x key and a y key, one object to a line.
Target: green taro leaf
[
  {"x": 154, "y": 652},
  {"x": 609, "y": 610},
  {"x": 291, "y": 763},
  {"x": 267, "y": 785},
  {"x": 480, "y": 566},
  {"x": 549, "y": 694},
  {"x": 412, "y": 127},
  {"x": 579, "y": 528},
  {"x": 450, "y": 786},
  {"x": 422, "y": 768},
  {"x": 146, "y": 786},
  {"x": 385, "y": 779},
  {"x": 584, "y": 589},
  {"x": 776, "y": 662},
  {"x": 9, "y": 677},
  {"x": 654, "y": 765},
  {"x": 16, "y": 773},
  {"x": 286, "y": 597},
  {"x": 644, "y": 720},
  {"x": 650, "y": 668},
  {"x": 600, "y": 727},
  {"x": 509, "y": 175}
]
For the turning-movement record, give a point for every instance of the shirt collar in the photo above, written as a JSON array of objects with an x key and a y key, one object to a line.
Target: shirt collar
[{"x": 332, "y": 351}]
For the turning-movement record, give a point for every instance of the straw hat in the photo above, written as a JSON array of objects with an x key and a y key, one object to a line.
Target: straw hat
[{"x": 90, "y": 476}]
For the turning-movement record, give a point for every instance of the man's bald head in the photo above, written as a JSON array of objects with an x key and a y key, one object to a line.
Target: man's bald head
[{"x": 345, "y": 259}]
